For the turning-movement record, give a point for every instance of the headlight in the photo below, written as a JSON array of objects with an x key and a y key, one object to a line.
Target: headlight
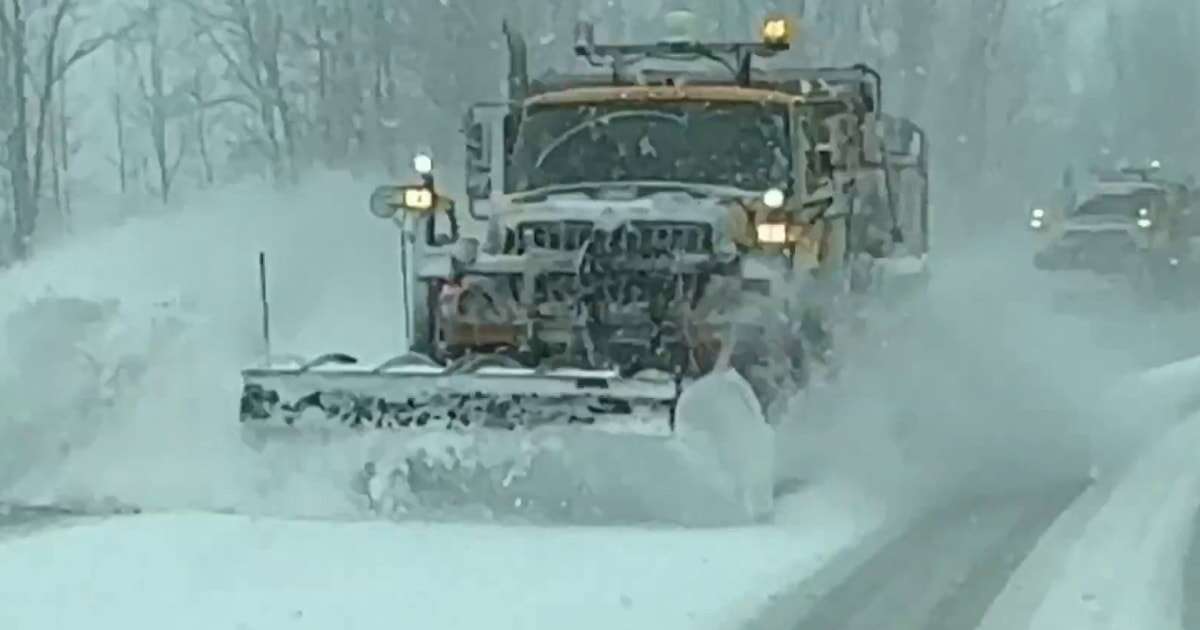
[
  {"x": 772, "y": 233},
  {"x": 773, "y": 198},
  {"x": 1143, "y": 212},
  {"x": 1036, "y": 224},
  {"x": 418, "y": 198},
  {"x": 1039, "y": 213},
  {"x": 1144, "y": 223}
]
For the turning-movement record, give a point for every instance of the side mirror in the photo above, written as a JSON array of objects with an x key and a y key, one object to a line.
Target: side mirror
[
  {"x": 479, "y": 185},
  {"x": 479, "y": 159}
]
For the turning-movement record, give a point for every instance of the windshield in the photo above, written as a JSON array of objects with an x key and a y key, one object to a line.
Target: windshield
[
  {"x": 744, "y": 145},
  {"x": 1121, "y": 205}
]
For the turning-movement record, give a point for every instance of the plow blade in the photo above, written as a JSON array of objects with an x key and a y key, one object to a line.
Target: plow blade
[
  {"x": 413, "y": 440},
  {"x": 335, "y": 392}
]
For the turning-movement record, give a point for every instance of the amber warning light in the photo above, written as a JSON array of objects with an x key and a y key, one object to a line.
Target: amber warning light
[{"x": 777, "y": 32}]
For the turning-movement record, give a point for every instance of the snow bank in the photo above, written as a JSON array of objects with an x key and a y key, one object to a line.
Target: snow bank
[
  {"x": 209, "y": 571},
  {"x": 1172, "y": 388},
  {"x": 1125, "y": 569}
]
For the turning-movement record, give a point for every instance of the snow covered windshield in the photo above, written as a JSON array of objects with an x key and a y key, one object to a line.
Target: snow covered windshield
[
  {"x": 1121, "y": 205},
  {"x": 738, "y": 144}
]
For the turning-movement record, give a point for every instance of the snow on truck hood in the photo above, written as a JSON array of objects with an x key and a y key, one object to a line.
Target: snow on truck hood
[{"x": 610, "y": 213}]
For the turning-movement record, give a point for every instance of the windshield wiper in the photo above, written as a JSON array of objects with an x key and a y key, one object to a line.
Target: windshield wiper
[{"x": 600, "y": 120}]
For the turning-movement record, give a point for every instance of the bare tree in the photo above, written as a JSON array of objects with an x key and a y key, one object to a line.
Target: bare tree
[
  {"x": 32, "y": 102},
  {"x": 249, "y": 36}
]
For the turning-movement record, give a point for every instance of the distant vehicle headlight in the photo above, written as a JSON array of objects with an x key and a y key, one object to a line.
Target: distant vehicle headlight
[
  {"x": 1144, "y": 223},
  {"x": 1039, "y": 213},
  {"x": 1036, "y": 224}
]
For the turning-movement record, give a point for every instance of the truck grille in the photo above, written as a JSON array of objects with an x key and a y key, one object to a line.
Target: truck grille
[{"x": 636, "y": 237}]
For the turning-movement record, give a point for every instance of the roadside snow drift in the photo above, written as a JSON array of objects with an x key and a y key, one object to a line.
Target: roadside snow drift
[
  {"x": 1125, "y": 570},
  {"x": 193, "y": 571}
]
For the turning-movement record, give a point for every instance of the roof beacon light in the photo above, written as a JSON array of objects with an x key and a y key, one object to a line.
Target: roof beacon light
[
  {"x": 777, "y": 32},
  {"x": 682, "y": 26}
]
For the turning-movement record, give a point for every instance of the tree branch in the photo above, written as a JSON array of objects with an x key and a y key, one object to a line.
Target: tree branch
[{"x": 90, "y": 46}]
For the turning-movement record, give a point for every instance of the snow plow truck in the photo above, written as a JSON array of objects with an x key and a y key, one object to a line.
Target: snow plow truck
[
  {"x": 662, "y": 235},
  {"x": 1132, "y": 227}
]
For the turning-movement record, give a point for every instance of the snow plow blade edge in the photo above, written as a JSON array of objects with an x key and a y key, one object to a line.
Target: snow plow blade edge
[{"x": 355, "y": 397}]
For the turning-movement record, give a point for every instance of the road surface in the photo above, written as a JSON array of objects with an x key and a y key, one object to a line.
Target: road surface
[
  {"x": 942, "y": 572},
  {"x": 1191, "y": 579}
]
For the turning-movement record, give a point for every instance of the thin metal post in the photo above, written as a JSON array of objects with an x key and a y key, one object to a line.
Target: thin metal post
[
  {"x": 406, "y": 288},
  {"x": 266, "y": 307}
]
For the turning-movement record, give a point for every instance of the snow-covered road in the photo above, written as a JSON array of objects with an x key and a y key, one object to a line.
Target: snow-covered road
[
  {"x": 1122, "y": 554},
  {"x": 835, "y": 557},
  {"x": 941, "y": 571},
  {"x": 205, "y": 571}
]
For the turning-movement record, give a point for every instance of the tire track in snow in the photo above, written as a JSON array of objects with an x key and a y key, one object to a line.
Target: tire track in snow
[{"x": 941, "y": 573}]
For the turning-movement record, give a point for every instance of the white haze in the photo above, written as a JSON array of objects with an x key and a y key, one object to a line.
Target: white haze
[
  {"x": 985, "y": 387},
  {"x": 979, "y": 388}
]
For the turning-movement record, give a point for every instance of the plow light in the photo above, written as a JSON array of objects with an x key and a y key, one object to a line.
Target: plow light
[
  {"x": 773, "y": 233},
  {"x": 773, "y": 198},
  {"x": 777, "y": 32},
  {"x": 423, "y": 164}
]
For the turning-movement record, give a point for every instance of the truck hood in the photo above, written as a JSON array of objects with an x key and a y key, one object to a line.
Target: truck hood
[{"x": 1099, "y": 224}]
